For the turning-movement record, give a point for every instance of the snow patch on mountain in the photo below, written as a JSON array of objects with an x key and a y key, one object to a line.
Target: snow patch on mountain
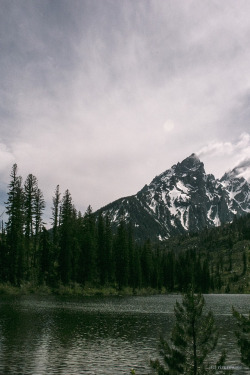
[{"x": 183, "y": 198}]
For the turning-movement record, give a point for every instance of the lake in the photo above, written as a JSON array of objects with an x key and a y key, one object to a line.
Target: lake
[{"x": 99, "y": 335}]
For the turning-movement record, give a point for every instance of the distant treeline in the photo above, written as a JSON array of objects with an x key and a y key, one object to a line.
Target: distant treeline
[{"x": 82, "y": 248}]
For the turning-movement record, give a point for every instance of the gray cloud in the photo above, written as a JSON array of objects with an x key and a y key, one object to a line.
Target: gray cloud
[
  {"x": 100, "y": 96},
  {"x": 242, "y": 169}
]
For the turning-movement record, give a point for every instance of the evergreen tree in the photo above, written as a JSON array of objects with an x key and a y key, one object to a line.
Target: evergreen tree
[
  {"x": 102, "y": 256},
  {"x": 34, "y": 205},
  {"x": 243, "y": 336},
  {"x": 122, "y": 255},
  {"x": 183, "y": 274},
  {"x": 88, "y": 268},
  {"x": 168, "y": 266},
  {"x": 45, "y": 258},
  {"x": 137, "y": 278},
  {"x": 56, "y": 199},
  {"x": 193, "y": 338},
  {"x": 147, "y": 263},
  {"x": 131, "y": 251},
  {"x": 244, "y": 260},
  {"x": 205, "y": 277},
  {"x": 157, "y": 272},
  {"x": 134, "y": 261},
  {"x": 65, "y": 239},
  {"x": 14, "y": 228},
  {"x": 109, "y": 250},
  {"x": 75, "y": 247},
  {"x": 30, "y": 193},
  {"x": 3, "y": 258},
  {"x": 55, "y": 215},
  {"x": 39, "y": 207}
]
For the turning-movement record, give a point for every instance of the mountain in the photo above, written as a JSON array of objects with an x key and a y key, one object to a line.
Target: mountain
[{"x": 181, "y": 199}]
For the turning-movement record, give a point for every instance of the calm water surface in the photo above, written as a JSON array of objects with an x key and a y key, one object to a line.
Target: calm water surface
[{"x": 51, "y": 335}]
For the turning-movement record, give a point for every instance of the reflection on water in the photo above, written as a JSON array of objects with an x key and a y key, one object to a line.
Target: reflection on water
[{"x": 97, "y": 335}]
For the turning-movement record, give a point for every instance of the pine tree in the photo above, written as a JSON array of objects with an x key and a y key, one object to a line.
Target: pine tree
[
  {"x": 205, "y": 277},
  {"x": 65, "y": 239},
  {"x": 75, "y": 247},
  {"x": 147, "y": 263},
  {"x": 134, "y": 261},
  {"x": 137, "y": 278},
  {"x": 122, "y": 255},
  {"x": 157, "y": 273},
  {"x": 56, "y": 199},
  {"x": 39, "y": 206},
  {"x": 45, "y": 257},
  {"x": 244, "y": 260},
  {"x": 3, "y": 258},
  {"x": 55, "y": 215},
  {"x": 34, "y": 205},
  {"x": 243, "y": 336},
  {"x": 102, "y": 256},
  {"x": 168, "y": 266},
  {"x": 88, "y": 268},
  {"x": 30, "y": 192},
  {"x": 14, "y": 228},
  {"x": 193, "y": 338},
  {"x": 109, "y": 250}
]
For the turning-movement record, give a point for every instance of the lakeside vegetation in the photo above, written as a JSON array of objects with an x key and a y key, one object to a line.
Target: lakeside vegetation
[
  {"x": 81, "y": 255},
  {"x": 193, "y": 341}
]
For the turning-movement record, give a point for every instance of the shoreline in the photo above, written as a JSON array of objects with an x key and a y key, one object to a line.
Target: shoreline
[{"x": 77, "y": 290}]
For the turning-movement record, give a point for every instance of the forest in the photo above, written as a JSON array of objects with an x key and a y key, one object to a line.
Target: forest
[{"x": 83, "y": 249}]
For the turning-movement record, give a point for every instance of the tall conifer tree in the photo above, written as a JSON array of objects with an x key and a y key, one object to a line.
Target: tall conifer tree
[
  {"x": 30, "y": 192},
  {"x": 193, "y": 338},
  {"x": 65, "y": 239},
  {"x": 122, "y": 255},
  {"x": 14, "y": 228},
  {"x": 109, "y": 250},
  {"x": 89, "y": 245},
  {"x": 55, "y": 214},
  {"x": 147, "y": 263},
  {"x": 102, "y": 256}
]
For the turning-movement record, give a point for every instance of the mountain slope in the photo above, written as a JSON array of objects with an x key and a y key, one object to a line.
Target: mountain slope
[{"x": 183, "y": 198}]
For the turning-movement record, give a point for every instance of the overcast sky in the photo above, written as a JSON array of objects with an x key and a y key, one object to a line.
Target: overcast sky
[{"x": 100, "y": 96}]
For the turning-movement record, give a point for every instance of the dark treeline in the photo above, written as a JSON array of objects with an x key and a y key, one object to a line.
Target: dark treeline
[{"x": 82, "y": 248}]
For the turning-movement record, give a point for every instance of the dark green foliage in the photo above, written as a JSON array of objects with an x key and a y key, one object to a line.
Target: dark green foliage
[
  {"x": 55, "y": 215},
  {"x": 168, "y": 270},
  {"x": 89, "y": 247},
  {"x": 193, "y": 339},
  {"x": 244, "y": 260},
  {"x": 30, "y": 194},
  {"x": 14, "y": 229},
  {"x": 45, "y": 258},
  {"x": 103, "y": 256},
  {"x": 84, "y": 248},
  {"x": 243, "y": 336},
  {"x": 65, "y": 238},
  {"x": 147, "y": 263},
  {"x": 135, "y": 273},
  {"x": 122, "y": 255},
  {"x": 110, "y": 261}
]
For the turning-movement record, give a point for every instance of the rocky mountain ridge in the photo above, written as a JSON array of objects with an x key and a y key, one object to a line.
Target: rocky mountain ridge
[{"x": 181, "y": 199}]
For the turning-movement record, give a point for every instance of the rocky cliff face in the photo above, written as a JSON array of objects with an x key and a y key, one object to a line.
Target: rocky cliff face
[{"x": 183, "y": 198}]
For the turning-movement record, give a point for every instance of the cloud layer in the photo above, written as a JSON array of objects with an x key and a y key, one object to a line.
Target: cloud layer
[{"x": 100, "y": 96}]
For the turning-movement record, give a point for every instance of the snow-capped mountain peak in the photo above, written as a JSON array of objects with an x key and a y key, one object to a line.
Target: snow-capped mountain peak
[{"x": 183, "y": 198}]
